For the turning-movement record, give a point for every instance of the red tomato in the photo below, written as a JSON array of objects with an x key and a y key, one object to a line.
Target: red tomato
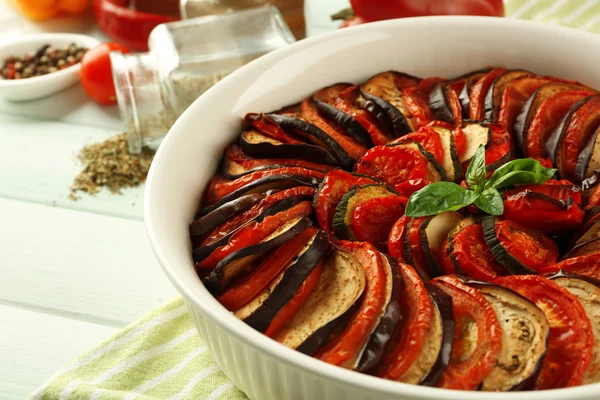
[
  {"x": 373, "y": 219},
  {"x": 396, "y": 238},
  {"x": 96, "y": 73},
  {"x": 415, "y": 248},
  {"x": 429, "y": 138},
  {"x": 377, "y": 10},
  {"x": 473, "y": 256},
  {"x": 587, "y": 266}
]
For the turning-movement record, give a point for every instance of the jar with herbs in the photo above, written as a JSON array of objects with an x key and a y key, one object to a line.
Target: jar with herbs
[{"x": 185, "y": 59}]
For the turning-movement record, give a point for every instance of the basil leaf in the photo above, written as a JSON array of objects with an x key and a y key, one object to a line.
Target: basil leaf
[
  {"x": 437, "y": 198},
  {"x": 491, "y": 202},
  {"x": 519, "y": 172},
  {"x": 476, "y": 172}
]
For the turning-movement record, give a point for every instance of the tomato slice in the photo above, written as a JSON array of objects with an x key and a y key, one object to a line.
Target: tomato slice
[
  {"x": 583, "y": 123},
  {"x": 546, "y": 119},
  {"x": 373, "y": 219},
  {"x": 345, "y": 349},
  {"x": 587, "y": 266},
  {"x": 334, "y": 186},
  {"x": 446, "y": 259},
  {"x": 235, "y": 153},
  {"x": 347, "y": 102},
  {"x": 454, "y": 104},
  {"x": 238, "y": 221},
  {"x": 396, "y": 238},
  {"x": 265, "y": 125},
  {"x": 220, "y": 188},
  {"x": 416, "y": 99},
  {"x": 417, "y": 320},
  {"x": 570, "y": 342},
  {"x": 428, "y": 138},
  {"x": 416, "y": 249},
  {"x": 499, "y": 147},
  {"x": 254, "y": 233},
  {"x": 477, "y": 336},
  {"x": 473, "y": 256},
  {"x": 242, "y": 291},
  {"x": 405, "y": 169},
  {"x": 479, "y": 91},
  {"x": 290, "y": 309},
  {"x": 354, "y": 149},
  {"x": 530, "y": 248}
]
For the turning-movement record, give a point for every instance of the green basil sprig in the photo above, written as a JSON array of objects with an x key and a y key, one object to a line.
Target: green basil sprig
[{"x": 447, "y": 196}]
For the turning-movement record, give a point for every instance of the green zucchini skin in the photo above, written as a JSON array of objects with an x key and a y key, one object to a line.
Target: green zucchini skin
[
  {"x": 501, "y": 255},
  {"x": 342, "y": 214}
]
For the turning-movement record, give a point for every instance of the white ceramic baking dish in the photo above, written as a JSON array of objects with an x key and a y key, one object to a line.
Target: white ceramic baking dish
[{"x": 442, "y": 46}]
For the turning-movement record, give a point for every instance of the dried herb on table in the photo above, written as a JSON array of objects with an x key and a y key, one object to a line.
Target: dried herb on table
[{"x": 109, "y": 165}]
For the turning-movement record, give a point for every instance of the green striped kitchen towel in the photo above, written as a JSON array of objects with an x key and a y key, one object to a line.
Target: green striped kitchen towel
[{"x": 162, "y": 357}]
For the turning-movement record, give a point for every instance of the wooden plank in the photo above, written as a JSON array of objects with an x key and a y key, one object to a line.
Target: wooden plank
[
  {"x": 38, "y": 163},
  {"x": 34, "y": 345},
  {"x": 91, "y": 267}
]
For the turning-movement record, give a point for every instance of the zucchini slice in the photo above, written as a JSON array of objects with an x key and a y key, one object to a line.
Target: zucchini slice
[
  {"x": 451, "y": 163},
  {"x": 238, "y": 262},
  {"x": 340, "y": 286},
  {"x": 476, "y": 134},
  {"x": 433, "y": 232},
  {"x": 385, "y": 91},
  {"x": 342, "y": 219},
  {"x": 259, "y": 145},
  {"x": 587, "y": 291},
  {"x": 525, "y": 332},
  {"x": 259, "y": 312}
]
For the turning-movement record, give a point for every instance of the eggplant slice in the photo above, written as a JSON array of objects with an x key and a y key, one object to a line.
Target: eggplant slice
[
  {"x": 525, "y": 332},
  {"x": 494, "y": 95},
  {"x": 264, "y": 307},
  {"x": 438, "y": 103},
  {"x": 589, "y": 158},
  {"x": 258, "y": 145},
  {"x": 340, "y": 286},
  {"x": 451, "y": 163},
  {"x": 240, "y": 261},
  {"x": 465, "y": 94},
  {"x": 587, "y": 291},
  {"x": 213, "y": 219}
]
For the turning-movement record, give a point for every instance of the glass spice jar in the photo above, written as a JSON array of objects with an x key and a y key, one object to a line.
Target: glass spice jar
[
  {"x": 292, "y": 10},
  {"x": 185, "y": 59}
]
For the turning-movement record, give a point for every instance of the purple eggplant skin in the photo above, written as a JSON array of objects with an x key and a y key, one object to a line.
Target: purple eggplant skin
[
  {"x": 557, "y": 135},
  {"x": 347, "y": 122},
  {"x": 292, "y": 279},
  {"x": 263, "y": 184},
  {"x": 490, "y": 96},
  {"x": 213, "y": 219},
  {"x": 231, "y": 266},
  {"x": 395, "y": 121},
  {"x": 443, "y": 304},
  {"x": 463, "y": 97},
  {"x": 585, "y": 157},
  {"x": 439, "y": 105},
  {"x": 288, "y": 122},
  {"x": 200, "y": 253},
  {"x": 383, "y": 333},
  {"x": 308, "y": 152}
]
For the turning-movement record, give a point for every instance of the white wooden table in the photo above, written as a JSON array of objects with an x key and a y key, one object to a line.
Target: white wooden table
[{"x": 71, "y": 273}]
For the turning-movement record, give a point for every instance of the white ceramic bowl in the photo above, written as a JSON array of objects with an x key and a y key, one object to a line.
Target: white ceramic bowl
[
  {"x": 45, "y": 85},
  {"x": 443, "y": 46}
]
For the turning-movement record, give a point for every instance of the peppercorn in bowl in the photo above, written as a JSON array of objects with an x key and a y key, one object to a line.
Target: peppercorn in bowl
[{"x": 39, "y": 65}]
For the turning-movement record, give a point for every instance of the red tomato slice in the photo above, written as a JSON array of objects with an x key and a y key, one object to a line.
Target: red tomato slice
[
  {"x": 428, "y": 138},
  {"x": 587, "y": 266},
  {"x": 254, "y": 233},
  {"x": 405, "y": 169},
  {"x": 239, "y": 221},
  {"x": 265, "y": 125},
  {"x": 373, "y": 219},
  {"x": 416, "y": 99},
  {"x": 416, "y": 249},
  {"x": 460, "y": 140},
  {"x": 346, "y": 348},
  {"x": 242, "y": 291},
  {"x": 473, "y": 356},
  {"x": 546, "y": 119},
  {"x": 473, "y": 256},
  {"x": 396, "y": 238},
  {"x": 220, "y": 188},
  {"x": 480, "y": 89},
  {"x": 290, "y": 309},
  {"x": 417, "y": 320},
  {"x": 530, "y": 248},
  {"x": 499, "y": 146},
  {"x": 446, "y": 259},
  {"x": 570, "y": 342},
  {"x": 454, "y": 104},
  {"x": 334, "y": 186}
]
